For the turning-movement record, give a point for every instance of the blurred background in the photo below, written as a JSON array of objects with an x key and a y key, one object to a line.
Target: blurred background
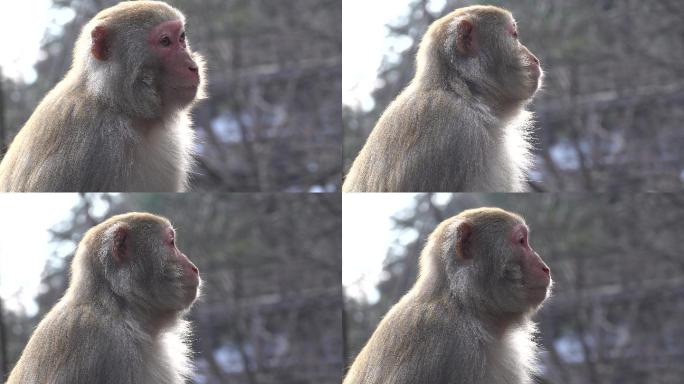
[
  {"x": 617, "y": 312},
  {"x": 272, "y": 119},
  {"x": 610, "y": 115},
  {"x": 270, "y": 312}
]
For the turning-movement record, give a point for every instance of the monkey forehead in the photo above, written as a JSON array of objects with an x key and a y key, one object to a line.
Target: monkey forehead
[
  {"x": 474, "y": 14},
  {"x": 489, "y": 215},
  {"x": 444, "y": 28},
  {"x": 132, "y": 219},
  {"x": 145, "y": 14}
]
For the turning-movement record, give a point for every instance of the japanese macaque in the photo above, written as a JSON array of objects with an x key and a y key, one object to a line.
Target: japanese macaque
[
  {"x": 467, "y": 318},
  {"x": 460, "y": 125},
  {"x": 119, "y": 119},
  {"x": 120, "y": 320}
]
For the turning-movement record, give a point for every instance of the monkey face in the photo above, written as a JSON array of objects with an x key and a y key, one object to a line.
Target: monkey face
[
  {"x": 180, "y": 74},
  {"x": 535, "y": 274},
  {"x": 184, "y": 271},
  {"x": 513, "y": 274},
  {"x": 512, "y": 66},
  {"x": 147, "y": 268},
  {"x": 172, "y": 279},
  {"x": 494, "y": 254},
  {"x": 484, "y": 50}
]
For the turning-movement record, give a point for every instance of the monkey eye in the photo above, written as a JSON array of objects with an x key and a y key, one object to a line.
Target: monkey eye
[
  {"x": 522, "y": 240},
  {"x": 165, "y": 41},
  {"x": 182, "y": 37}
]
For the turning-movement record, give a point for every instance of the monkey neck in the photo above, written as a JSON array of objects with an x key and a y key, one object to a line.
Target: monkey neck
[
  {"x": 497, "y": 105},
  {"x": 147, "y": 127},
  {"x": 152, "y": 321},
  {"x": 499, "y": 325},
  {"x": 436, "y": 74}
]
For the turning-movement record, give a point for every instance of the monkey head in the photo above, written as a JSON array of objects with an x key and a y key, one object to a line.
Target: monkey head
[
  {"x": 478, "y": 48},
  {"x": 139, "y": 49},
  {"x": 490, "y": 263},
  {"x": 135, "y": 257}
]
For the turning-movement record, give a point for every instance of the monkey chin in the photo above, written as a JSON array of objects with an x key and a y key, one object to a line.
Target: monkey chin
[
  {"x": 537, "y": 295},
  {"x": 536, "y": 75},
  {"x": 183, "y": 96},
  {"x": 192, "y": 291}
]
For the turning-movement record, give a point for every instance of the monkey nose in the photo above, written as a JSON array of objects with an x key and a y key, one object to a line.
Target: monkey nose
[{"x": 193, "y": 67}]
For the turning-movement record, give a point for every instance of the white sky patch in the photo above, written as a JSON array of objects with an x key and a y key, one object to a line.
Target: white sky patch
[
  {"x": 23, "y": 25},
  {"x": 367, "y": 234},
  {"x": 365, "y": 42},
  {"x": 24, "y": 242}
]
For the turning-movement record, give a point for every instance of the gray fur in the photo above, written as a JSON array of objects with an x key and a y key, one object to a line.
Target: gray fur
[
  {"x": 106, "y": 127},
  {"x": 116, "y": 324},
  {"x": 463, "y": 322},
  {"x": 460, "y": 124}
]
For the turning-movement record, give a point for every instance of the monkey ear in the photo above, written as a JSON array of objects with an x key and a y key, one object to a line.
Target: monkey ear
[
  {"x": 121, "y": 244},
  {"x": 463, "y": 236},
  {"x": 465, "y": 37},
  {"x": 100, "y": 43}
]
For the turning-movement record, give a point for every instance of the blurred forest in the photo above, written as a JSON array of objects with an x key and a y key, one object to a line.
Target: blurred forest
[
  {"x": 610, "y": 115},
  {"x": 617, "y": 312},
  {"x": 272, "y": 119},
  {"x": 271, "y": 305}
]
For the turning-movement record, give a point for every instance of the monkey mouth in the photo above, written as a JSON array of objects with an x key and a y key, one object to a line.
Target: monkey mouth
[
  {"x": 184, "y": 94},
  {"x": 194, "y": 282},
  {"x": 538, "y": 288},
  {"x": 534, "y": 71},
  {"x": 537, "y": 295},
  {"x": 186, "y": 88},
  {"x": 191, "y": 292}
]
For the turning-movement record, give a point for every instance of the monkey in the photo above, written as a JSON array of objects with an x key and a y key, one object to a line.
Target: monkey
[
  {"x": 460, "y": 125},
  {"x": 121, "y": 318},
  {"x": 119, "y": 120},
  {"x": 467, "y": 318}
]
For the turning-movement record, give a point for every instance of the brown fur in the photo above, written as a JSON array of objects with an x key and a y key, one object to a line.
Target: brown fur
[
  {"x": 120, "y": 319},
  {"x": 460, "y": 124},
  {"x": 105, "y": 127},
  {"x": 467, "y": 318}
]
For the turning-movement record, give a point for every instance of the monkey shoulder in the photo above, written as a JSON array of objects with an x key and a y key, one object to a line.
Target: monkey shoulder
[
  {"x": 420, "y": 121},
  {"x": 460, "y": 349},
  {"x": 419, "y": 112},
  {"x": 428, "y": 328},
  {"x": 56, "y": 152},
  {"x": 62, "y": 152},
  {"x": 83, "y": 332}
]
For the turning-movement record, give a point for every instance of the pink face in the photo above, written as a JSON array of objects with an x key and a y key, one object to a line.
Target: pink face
[
  {"x": 190, "y": 272},
  {"x": 536, "y": 274},
  {"x": 181, "y": 74},
  {"x": 531, "y": 61}
]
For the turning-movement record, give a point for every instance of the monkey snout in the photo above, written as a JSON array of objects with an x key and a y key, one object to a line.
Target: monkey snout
[
  {"x": 535, "y": 59},
  {"x": 546, "y": 270},
  {"x": 191, "y": 64}
]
